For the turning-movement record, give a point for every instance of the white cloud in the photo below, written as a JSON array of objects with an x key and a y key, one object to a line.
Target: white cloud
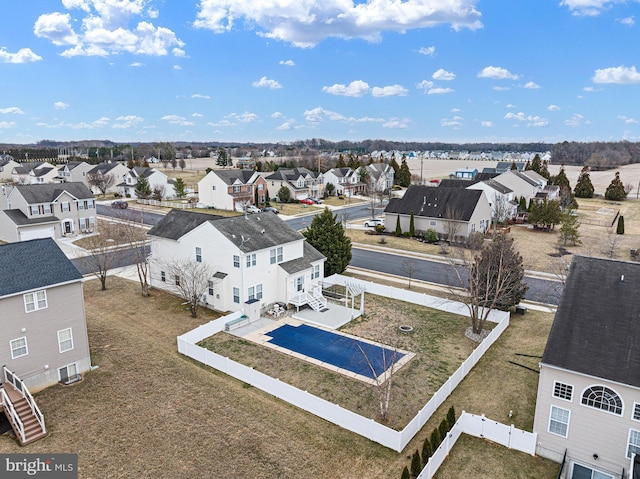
[
  {"x": 108, "y": 28},
  {"x": 7, "y": 124},
  {"x": 99, "y": 123},
  {"x": 288, "y": 63},
  {"x": 455, "y": 110},
  {"x": 530, "y": 120},
  {"x": 128, "y": 121},
  {"x": 511, "y": 105},
  {"x": 153, "y": 13},
  {"x": 501, "y": 88},
  {"x": 24, "y": 55},
  {"x": 319, "y": 114},
  {"x": 428, "y": 51},
  {"x": 629, "y": 21},
  {"x": 13, "y": 110},
  {"x": 425, "y": 85},
  {"x": 392, "y": 90},
  {"x": 356, "y": 88},
  {"x": 177, "y": 67},
  {"x": 197, "y": 115},
  {"x": 179, "y": 52},
  {"x": 486, "y": 124},
  {"x": 277, "y": 114},
  {"x": 439, "y": 91},
  {"x": 531, "y": 85},
  {"x": 396, "y": 123},
  {"x": 590, "y": 8},
  {"x": 456, "y": 121},
  {"x": 306, "y": 23},
  {"x": 497, "y": 73},
  {"x": 264, "y": 82},
  {"x": 619, "y": 75},
  {"x": 589, "y": 89},
  {"x": 577, "y": 120},
  {"x": 177, "y": 120},
  {"x": 200, "y": 95},
  {"x": 60, "y": 105},
  {"x": 553, "y": 108},
  {"x": 627, "y": 119},
  {"x": 136, "y": 64},
  {"x": 443, "y": 75}
]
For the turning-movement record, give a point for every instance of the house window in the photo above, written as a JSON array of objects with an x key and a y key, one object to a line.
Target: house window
[
  {"x": 315, "y": 272},
  {"x": 276, "y": 255},
  {"x": 236, "y": 295},
  {"x": 473, "y": 227},
  {"x": 299, "y": 281},
  {"x": 601, "y": 397},
  {"x": 65, "y": 340},
  {"x": 213, "y": 188},
  {"x": 35, "y": 301},
  {"x": 80, "y": 205},
  {"x": 65, "y": 373},
  {"x": 580, "y": 471},
  {"x": 563, "y": 391},
  {"x": 198, "y": 254},
  {"x": 633, "y": 446},
  {"x": 19, "y": 347},
  {"x": 177, "y": 280},
  {"x": 92, "y": 222},
  {"x": 210, "y": 285},
  {"x": 92, "y": 204},
  {"x": 236, "y": 189},
  {"x": 259, "y": 291},
  {"x": 251, "y": 260},
  {"x": 163, "y": 276},
  {"x": 559, "y": 421},
  {"x": 260, "y": 187},
  {"x": 236, "y": 261},
  {"x": 636, "y": 412},
  {"x": 251, "y": 293},
  {"x": 433, "y": 223}
]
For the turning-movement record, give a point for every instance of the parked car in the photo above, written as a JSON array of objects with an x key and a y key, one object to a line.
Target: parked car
[
  {"x": 374, "y": 222},
  {"x": 307, "y": 201},
  {"x": 271, "y": 209},
  {"x": 317, "y": 201},
  {"x": 252, "y": 209},
  {"x": 123, "y": 205}
]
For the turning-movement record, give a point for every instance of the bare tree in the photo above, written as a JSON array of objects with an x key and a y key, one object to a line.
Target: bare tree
[
  {"x": 409, "y": 268},
  {"x": 101, "y": 181},
  {"x": 158, "y": 192},
  {"x": 130, "y": 230},
  {"x": 100, "y": 255},
  {"x": 609, "y": 246},
  {"x": 502, "y": 209},
  {"x": 189, "y": 279},
  {"x": 452, "y": 223}
]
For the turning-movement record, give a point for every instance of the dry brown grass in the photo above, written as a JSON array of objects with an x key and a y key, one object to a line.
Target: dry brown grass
[{"x": 149, "y": 412}]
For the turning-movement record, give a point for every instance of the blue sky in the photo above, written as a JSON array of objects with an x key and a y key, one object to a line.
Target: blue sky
[{"x": 284, "y": 70}]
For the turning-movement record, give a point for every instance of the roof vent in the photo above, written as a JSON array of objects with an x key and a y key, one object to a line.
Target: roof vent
[
  {"x": 622, "y": 278},
  {"x": 263, "y": 230}
]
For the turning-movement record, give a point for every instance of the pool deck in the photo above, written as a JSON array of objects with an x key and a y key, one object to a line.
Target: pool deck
[{"x": 333, "y": 317}]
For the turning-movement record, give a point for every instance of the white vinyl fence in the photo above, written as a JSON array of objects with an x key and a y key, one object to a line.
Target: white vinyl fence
[
  {"x": 166, "y": 204},
  {"x": 480, "y": 426},
  {"x": 396, "y": 440}
]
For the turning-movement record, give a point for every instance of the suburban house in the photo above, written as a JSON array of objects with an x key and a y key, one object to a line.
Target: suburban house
[
  {"x": 588, "y": 403},
  {"x": 43, "y": 331},
  {"x": 504, "y": 166},
  {"x": 51, "y": 210},
  {"x": 381, "y": 176},
  {"x": 503, "y": 204},
  {"x": 255, "y": 260},
  {"x": 453, "y": 213},
  {"x": 34, "y": 172},
  {"x": 74, "y": 171},
  {"x": 232, "y": 189},
  {"x": 7, "y": 165},
  {"x": 465, "y": 173},
  {"x": 522, "y": 185},
  {"x": 346, "y": 180},
  {"x": 113, "y": 168},
  {"x": 301, "y": 182},
  {"x": 157, "y": 181}
]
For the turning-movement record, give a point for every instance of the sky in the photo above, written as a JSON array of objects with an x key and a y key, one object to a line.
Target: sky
[{"x": 286, "y": 70}]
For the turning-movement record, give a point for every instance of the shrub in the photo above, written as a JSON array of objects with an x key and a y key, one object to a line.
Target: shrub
[
  {"x": 412, "y": 228},
  {"x": 430, "y": 236},
  {"x": 416, "y": 464},
  {"x": 436, "y": 439},
  {"x": 443, "y": 428},
  {"x": 451, "y": 417},
  {"x": 379, "y": 228},
  {"x": 398, "y": 227},
  {"x": 405, "y": 473},
  {"x": 406, "y": 234},
  {"x": 620, "y": 227},
  {"x": 116, "y": 195},
  {"x": 427, "y": 451},
  {"x": 475, "y": 240}
]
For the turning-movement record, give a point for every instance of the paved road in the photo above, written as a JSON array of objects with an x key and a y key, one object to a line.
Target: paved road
[
  {"x": 120, "y": 258},
  {"x": 131, "y": 214},
  {"x": 348, "y": 212}
]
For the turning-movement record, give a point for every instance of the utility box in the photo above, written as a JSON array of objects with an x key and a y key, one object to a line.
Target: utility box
[{"x": 521, "y": 309}]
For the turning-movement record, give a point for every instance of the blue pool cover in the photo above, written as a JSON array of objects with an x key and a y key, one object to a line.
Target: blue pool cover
[{"x": 336, "y": 349}]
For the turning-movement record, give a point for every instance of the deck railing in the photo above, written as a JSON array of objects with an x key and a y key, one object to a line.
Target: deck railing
[
  {"x": 11, "y": 413},
  {"x": 19, "y": 385}
]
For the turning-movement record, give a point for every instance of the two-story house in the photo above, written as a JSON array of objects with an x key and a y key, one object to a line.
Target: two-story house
[
  {"x": 381, "y": 176},
  {"x": 346, "y": 181},
  {"x": 256, "y": 258},
  {"x": 158, "y": 181},
  {"x": 74, "y": 171},
  {"x": 7, "y": 165},
  {"x": 50, "y": 210},
  {"x": 34, "y": 172},
  {"x": 503, "y": 204},
  {"x": 588, "y": 404},
  {"x": 301, "y": 182},
  {"x": 115, "y": 169},
  {"x": 523, "y": 184},
  {"x": 453, "y": 213},
  {"x": 232, "y": 189}
]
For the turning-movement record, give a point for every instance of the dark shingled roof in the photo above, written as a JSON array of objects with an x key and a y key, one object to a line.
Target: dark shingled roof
[
  {"x": 309, "y": 255},
  {"x": 49, "y": 192},
  {"x": 436, "y": 202},
  {"x": 20, "y": 219},
  {"x": 177, "y": 223},
  {"x": 486, "y": 175},
  {"x": 231, "y": 176},
  {"x": 34, "y": 264},
  {"x": 499, "y": 187},
  {"x": 456, "y": 183},
  {"x": 596, "y": 329}
]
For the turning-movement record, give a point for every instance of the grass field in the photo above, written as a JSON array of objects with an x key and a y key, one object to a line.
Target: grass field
[{"x": 149, "y": 412}]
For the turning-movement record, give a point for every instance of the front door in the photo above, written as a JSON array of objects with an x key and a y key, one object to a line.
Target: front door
[
  {"x": 67, "y": 227},
  {"x": 299, "y": 283}
]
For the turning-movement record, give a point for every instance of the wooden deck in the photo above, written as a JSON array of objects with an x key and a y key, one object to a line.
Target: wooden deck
[{"x": 33, "y": 430}]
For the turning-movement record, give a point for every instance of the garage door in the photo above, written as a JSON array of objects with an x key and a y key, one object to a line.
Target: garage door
[{"x": 37, "y": 233}]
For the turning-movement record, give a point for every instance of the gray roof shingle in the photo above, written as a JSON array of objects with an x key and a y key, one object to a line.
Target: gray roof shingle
[
  {"x": 20, "y": 219},
  {"x": 438, "y": 202},
  {"x": 309, "y": 255},
  {"x": 34, "y": 264},
  {"x": 48, "y": 192},
  {"x": 177, "y": 223},
  {"x": 596, "y": 328}
]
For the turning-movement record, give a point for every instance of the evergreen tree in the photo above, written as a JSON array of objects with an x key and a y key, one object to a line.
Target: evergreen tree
[
  {"x": 143, "y": 189},
  {"x": 451, "y": 417},
  {"x": 404, "y": 176},
  {"x": 567, "y": 199},
  {"x": 341, "y": 163},
  {"x": 522, "y": 204},
  {"x": 223, "y": 158},
  {"x": 569, "y": 230},
  {"x": 398, "y": 227},
  {"x": 544, "y": 170},
  {"x": 416, "y": 464},
  {"x": 412, "y": 228},
  {"x": 182, "y": 164},
  {"x": 405, "y": 473},
  {"x": 443, "y": 428},
  {"x": 584, "y": 187},
  {"x": 514, "y": 167},
  {"x": 545, "y": 213},
  {"x": 330, "y": 188},
  {"x": 326, "y": 234},
  {"x": 180, "y": 188},
  {"x": 427, "y": 451},
  {"x": 561, "y": 179},
  {"x": 395, "y": 166},
  {"x": 352, "y": 163},
  {"x": 284, "y": 195},
  {"x": 620, "y": 227},
  {"x": 536, "y": 164},
  {"x": 436, "y": 439},
  {"x": 527, "y": 166},
  {"x": 615, "y": 191}
]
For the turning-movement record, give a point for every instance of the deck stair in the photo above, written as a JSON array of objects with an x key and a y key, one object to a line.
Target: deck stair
[{"x": 19, "y": 406}]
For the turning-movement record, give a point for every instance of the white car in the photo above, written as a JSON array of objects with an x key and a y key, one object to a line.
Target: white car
[
  {"x": 253, "y": 209},
  {"x": 374, "y": 222}
]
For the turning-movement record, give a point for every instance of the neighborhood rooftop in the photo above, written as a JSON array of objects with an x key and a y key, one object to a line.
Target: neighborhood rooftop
[
  {"x": 447, "y": 203},
  {"x": 177, "y": 223},
  {"x": 49, "y": 192}
]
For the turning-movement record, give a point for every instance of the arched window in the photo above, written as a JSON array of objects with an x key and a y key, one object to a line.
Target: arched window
[{"x": 601, "y": 397}]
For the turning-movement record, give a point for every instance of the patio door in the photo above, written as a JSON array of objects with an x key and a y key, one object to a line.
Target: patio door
[
  {"x": 299, "y": 281},
  {"x": 582, "y": 472},
  {"x": 68, "y": 372}
]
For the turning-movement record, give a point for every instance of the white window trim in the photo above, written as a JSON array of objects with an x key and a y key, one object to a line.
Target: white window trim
[
  {"x": 26, "y": 347},
  {"x": 67, "y": 366},
  {"x": 550, "y": 419},
  {"x": 629, "y": 442},
  {"x": 635, "y": 405},
  {"x": 591, "y": 468},
  {"x": 599, "y": 409},
  {"x": 34, "y": 295},
  {"x": 553, "y": 393},
  {"x": 60, "y": 341}
]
